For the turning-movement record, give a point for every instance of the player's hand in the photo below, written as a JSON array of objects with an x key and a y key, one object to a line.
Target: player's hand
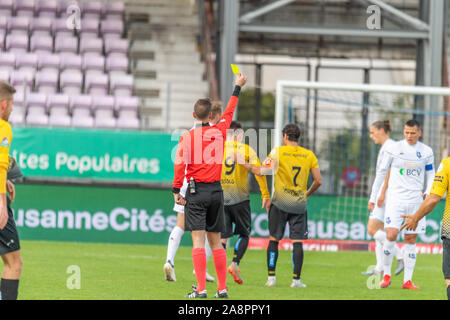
[
  {"x": 179, "y": 199},
  {"x": 371, "y": 206},
  {"x": 266, "y": 203},
  {"x": 11, "y": 190},
  {"x": 410, "y": 222},
  {"x": 241, "y": 80},
  {"x": 380, "y": 201}
]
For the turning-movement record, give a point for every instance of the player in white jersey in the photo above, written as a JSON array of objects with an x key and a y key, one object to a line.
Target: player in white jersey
[
  {"x": 178, "y": 230},
  {"x": 379, "y": 133},
  {"x": 411, "y": 165}
]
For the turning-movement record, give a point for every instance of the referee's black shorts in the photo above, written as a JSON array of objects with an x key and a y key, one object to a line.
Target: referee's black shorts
[
  {"x": 241, "y": 216},
  {"x": 204, "y": 209},
  {"x": 9, "y": 237},
  {"x": 298, "y": 224},
  {"x": 446, "y": 259}
]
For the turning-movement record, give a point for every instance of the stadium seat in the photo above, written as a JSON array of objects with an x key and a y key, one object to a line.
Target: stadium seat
[
  {"x": 126, "y": 103},
  {"x": 91, "y": 9},
  {"x": 17, "y": 116},
  {"x": 102, "y": 122},
  {"x": 36, "y": 101},
  {"x": 22, "y": 81},
  {"x": 114, "y": 10},
  {"x": 60, "y": 102},
  {"x": 72, "y": 62},
  {"x": 59, "y": 120},
  {"x": 24, "y": 8},
  {"x": 46, "y": 82},
  {"x": 82, "y": 120},
  {"x": 116, "y": 65},
  {"x": 4, "y": 24},
  {"x": 59, "y": 27},
  {"x": 47, "y": 8},
  {"x": 4, "y": 75},
  {"x": 6, "y": 7},
  {"x": 66, "y": 44},
  {"x": 89, "y": 27},
  {"x": 90, "y": 45},
  {"x": 112, "y": 28},
  {"x": 35, "y": 118},
  {"x": 49, "y": 62},
  {"x": 81, "y": 102},
  {"x": 105, "y": 103},
  {"x": 17, "y": 42},
  {"x": 119, "y": 46},
  {"x": 26, "y": 62},
  {"x": 128, "y": 123},
  {"x": 41, "y": 44},
  {"x": 94, "y": 63},
  {"x": 71, "y": 82},
  {"x": 121, "y": 85},
  {"x": 19, "y": 25},
  {"x": 96, "y": 83},
  {"x": 41, "y": 26},
  {"x": 7, "y": 61}
]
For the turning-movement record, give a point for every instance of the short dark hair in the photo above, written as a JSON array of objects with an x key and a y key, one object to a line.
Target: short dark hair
[
  {"x": 383, "y": 124},
  {"x": 6, "y": 91},
  {"x": 413, "y": 123},
  {"x": 202, "y": 108},
  {"x": 216, "y": 108},
  {"x": 292, "y": 131},
  {"x": 235, "y": 125}
]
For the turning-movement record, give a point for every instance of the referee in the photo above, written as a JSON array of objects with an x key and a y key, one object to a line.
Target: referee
[
  {"x": 441, "y": 185},
  {"x": 200, "y": 153},
  {"x": 9, "y": 239}
]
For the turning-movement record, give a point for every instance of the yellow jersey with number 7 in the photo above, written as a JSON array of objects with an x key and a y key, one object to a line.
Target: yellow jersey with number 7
[{"x": 291, "y": 167}]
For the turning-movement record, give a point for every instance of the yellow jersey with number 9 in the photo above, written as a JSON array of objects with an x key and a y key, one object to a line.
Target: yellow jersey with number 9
[
  {"x": 5, "y": 143},
  {"x": 440, "y": 186},
  {"x": 291, "y": 167}
]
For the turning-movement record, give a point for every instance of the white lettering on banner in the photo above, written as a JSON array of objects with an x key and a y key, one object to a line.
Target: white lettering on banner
[
  {"x": 85, "y": 163},
  {"x": 121, "y": 219}
]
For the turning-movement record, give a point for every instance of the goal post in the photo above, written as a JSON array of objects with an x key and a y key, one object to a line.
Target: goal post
[{"x": 335, "y": 119}]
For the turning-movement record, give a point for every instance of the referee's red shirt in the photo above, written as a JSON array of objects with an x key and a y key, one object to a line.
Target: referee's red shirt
[{"x": 200, "y": 150}]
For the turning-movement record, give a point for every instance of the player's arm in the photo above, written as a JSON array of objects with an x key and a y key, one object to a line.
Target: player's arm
[
  {"x": 380, "y": 176},
  {"x": 262, "y": 181},
  {"x": 382, "y": 197},
  {"x": 437, "y": 191},
  {"x": 181, "y": 161},
  {"x": 227, "y": 116},
  {"x": 429, "y": 175},
  {"x": 315, "y": 172}
]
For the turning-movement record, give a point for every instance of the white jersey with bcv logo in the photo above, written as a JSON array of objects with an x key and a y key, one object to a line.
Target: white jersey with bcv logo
[
  {"x": 411, "y": 167},
  {"x": 381, "y": 154}
]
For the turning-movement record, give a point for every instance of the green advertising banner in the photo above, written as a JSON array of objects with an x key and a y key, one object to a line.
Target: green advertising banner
[
  {"x": 93, "y": 154},
  {"x": 144, "y": 216}
]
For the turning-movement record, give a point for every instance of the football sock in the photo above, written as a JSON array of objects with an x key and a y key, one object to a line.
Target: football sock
[
  {"x": 379, "y": 255},
  {"x": 398, "y": 253},
  {"x": 207, "y": 249},
  {"x": 297, "y": 259},
  {"x": 199, "y": 261},
  {"x": 240, "y": 248},
  {"x": 380, "y": 235},
  {"x": 220, "y": 263},
  {"x": 9, "y": 289},
  {"x": 272, "y": 256},
  {"x": 174, "y": 243},
  {"x": 388, "y": 250},
  {"x": 410, "y": 261}
]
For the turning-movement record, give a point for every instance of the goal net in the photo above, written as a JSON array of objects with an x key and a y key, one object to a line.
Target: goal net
[{"x": 335, "y": 119}]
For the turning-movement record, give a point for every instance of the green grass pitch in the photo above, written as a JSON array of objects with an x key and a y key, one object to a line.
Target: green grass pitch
[{"x": 112, "y": 271}]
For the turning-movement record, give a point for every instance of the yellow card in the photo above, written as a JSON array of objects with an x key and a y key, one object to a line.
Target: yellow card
[{"x": 235, "y": 69}]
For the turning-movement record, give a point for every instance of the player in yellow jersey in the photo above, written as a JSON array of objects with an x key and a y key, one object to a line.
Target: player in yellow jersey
[
  {"x": 441, "y": 185},
  {"x": 290, "y": 164},
  {"x": 234, "y": 183},
  {"x": 9, "y": 238}
]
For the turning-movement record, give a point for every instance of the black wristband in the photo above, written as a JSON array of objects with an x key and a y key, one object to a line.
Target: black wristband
[
  {"x": 175, "y": 190},
  {"x": 237, "y": 90}
]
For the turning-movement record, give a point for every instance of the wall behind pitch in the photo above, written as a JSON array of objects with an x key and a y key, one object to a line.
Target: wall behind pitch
[{"x": 143, "y": 216}]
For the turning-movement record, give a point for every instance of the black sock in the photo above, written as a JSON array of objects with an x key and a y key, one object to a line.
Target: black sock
[
  {"x": 272, "y": 256},
  {"x": 9, "y": 289},
  {"x": 240, "y": 248},
  {"x": 224, "y": 245},
  {"x": 297, "y": 259},
  {"x": 448, "y": 292}
]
